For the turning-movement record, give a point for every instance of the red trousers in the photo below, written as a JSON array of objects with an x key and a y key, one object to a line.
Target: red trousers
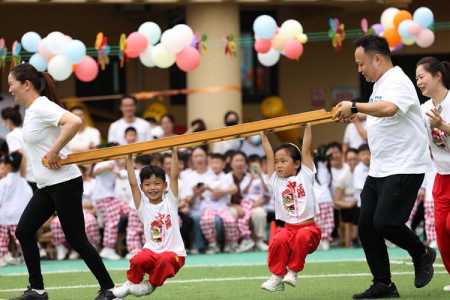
[
  {"x": 441, "y": 195},
  {"x": 290, "y": 246},
  {"x": 159, "y": 266}
]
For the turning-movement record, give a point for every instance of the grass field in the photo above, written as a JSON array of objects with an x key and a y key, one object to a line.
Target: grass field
[{"x": 335, "y": 274}]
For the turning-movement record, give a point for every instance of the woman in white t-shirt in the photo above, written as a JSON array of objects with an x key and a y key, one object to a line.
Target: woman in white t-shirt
[
  {"x": 47, "y": 128},
  {"x": 433, "y": 80},
  {"x": 291, "y": 174}
]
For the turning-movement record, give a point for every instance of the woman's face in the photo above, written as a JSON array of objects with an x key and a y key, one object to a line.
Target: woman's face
[
  {"x": 238, "y": 164},
  {"x": 199, "y": 159},
  {"x": 17, "y": 89},
  {"x": 426, "y": 82},
  {"x": 167, "y": 126}
]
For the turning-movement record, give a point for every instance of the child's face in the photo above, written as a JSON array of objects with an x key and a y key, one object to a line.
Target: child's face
[
  {"x": 285, "y": 166},
  {"x": 166, "y": 164},
  {"x": 217, "y": 165},
  {"x": 335, "y": 157},
  {"x": 238, "y": 164},
  {"x": 131, "y": 137},
  {"x": 364, "y": 156},
  {"x": 352, "y": 160},
  {"x": 154, "y": 188}
]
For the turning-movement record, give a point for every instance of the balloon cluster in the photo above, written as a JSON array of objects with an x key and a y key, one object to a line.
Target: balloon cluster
[
  {"x": 60, "y": 55},
  {"x": 176, "y": 45},
  {"x": 400, "y": 28},
  {"x": 271, "y": 40}
]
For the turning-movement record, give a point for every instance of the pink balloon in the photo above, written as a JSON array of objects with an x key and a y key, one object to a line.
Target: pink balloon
[
  {"x": 87, "y": 69},
  {"x": 43, "y": 51},
  {"x": 136, "y": 44},
  {"x": 293, "y": 49},
  {"x": 188, "y": 59},
  {"x": 263, "y": 46},
  {"x": 425, "y": 38},
  {"x": 414, "y": 29}
]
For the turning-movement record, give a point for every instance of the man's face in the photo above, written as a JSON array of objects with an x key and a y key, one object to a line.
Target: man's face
[{"x": 367, "y": 64}]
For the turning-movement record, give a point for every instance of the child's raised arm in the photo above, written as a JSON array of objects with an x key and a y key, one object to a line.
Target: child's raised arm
[
  {"x": 307, "y": 158},
  {"x": 135, "y": 190},
  {"x": 174, "y": 172},
  {"x": 269, "y": 154}
]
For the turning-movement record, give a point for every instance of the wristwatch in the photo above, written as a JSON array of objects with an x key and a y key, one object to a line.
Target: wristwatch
[{"x": 354, "y": 109}]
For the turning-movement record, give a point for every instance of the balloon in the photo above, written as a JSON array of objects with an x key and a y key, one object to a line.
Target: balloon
[
  {"x": 424, "y": 17},
  {"x": 392, "y": 37},
  {"x": 279, "y": 41},
  {"x": 378, "y": 29},
  {"x": 30, "y": 41},
  {"x": 151, "y": 31},
  {"x": 293, "y": 49},
  {"x": 400, "y": 16},
  {"x": 87, "y": 69},
  {"x": 414, "y": 29},
  {"x": 56, "y": 41},
  {"x": 60, "y": 67},
  {"x": 136, "y": 44},
  {"x": 263, "y": 46},
  {"x": 403, "y": 29},
  {"x": 364, "y": 24},
  {"x": 162, "y": 57},
  {"x": 425, "y": 38},
  {"x": 39, "y": 62},
  {"x": 270, "y": 58},
  {"x": 303, "y": 38},
  {"x": 75, "y": 50},
  {"x": 146, "y": 58},
  {"x": 265, "y": 27},
  {"x": 184, "y": 33},
  {"x": 188, "y": 59},
  {"x": 171, "y": 41},
  {"x": 387, "y": 17},
  {"x": 291, "y": 28},
  {"x": 408, "y": 41}
]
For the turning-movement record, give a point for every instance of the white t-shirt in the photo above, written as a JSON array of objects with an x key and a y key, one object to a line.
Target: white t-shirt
[
  {"x": 190, "y": 178},
  {"x": 88, "y": 190},
  {"x": 429, "y": 183},
  {"x": 220, "y": 181},
  {"x": 15, "y": 193},
  {"x": 352, "y": 137},
  {"x": 322, "y": 193},
  {"x": 14, "y": 139},
  {"x": 344, "y": 181},
  {"x": 438, "y": 140},
  {"x": 223, "y": 146},
  {"x": 359, "y": 179},
  {"x": 116, "y": 132},
  {"x": 294, "y": 196},
  {"x": 84, "y": 140},
  {"x": 161, "y": 224},
  {"x": 256, "y": 190},
  {"x": 104, "y": 182},
  {"x": 40, "y": 131},
  {"x": 398, "y": 144}
]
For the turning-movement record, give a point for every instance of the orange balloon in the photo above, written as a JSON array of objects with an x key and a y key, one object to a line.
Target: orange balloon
[
  {"x": 392, "y": 37},
  {"x": 400, "y": 16}
]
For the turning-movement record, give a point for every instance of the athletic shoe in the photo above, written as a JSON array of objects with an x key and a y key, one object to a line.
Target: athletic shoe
[
  {"x": 273, "y": 284},
  {"x": 61, "y": 252},
  {"x": 31, "y": 294},
  {"x": 379, "y": 290},
  {"x": 123, "y": 290},
  {"x": 423, "y": 268},
  {"x": 141, "y": 289},
  {"x": 106, "y": 295},
  {"x": 290, "y": 278},
  {"x": 212, "y": 249},
  {"x": 3, "y": 263},
  {"x": 74, "y": 255},
  {"x": 324, "y": 245},
  {"x": 446, "y": 288},
  {"x": 109, "y": 253},
  {"x": 11, "y": 260},
  {"x": 246, "y": 245},
  {"x": 433, "y": 244},
  {"x": 260, "y": 245}
]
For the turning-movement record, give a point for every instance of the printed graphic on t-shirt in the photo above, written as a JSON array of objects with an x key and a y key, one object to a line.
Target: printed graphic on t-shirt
[
  {"x": 439, "y": 138},
  {"x": 159, "y": 226},
  {"x": 290, "y": 194}
]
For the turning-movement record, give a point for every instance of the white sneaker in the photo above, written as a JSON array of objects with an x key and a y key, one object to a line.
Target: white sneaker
[
  {"x": 324, "y": 245},
  {"x": 11, "y": 260},
  {"x": 109, "y": 253},
  {"x": 446, "y": 288},
  {"x": 194, "y": 251},
  {"x": 2, "y": 262},
  {"x": 433, "y": 245},
  {"x": 290, "y": 278},
  {"x": 230, "y": 247},
  {"x": 61, "y": 252},
  {"x": 273, "y": 284},
  {"x": 212, "y": 249},
  {"x": 74, "y": 255},
  {"x": 123, "y": 290},
  {"x": 42, "y": 252},
  {"x": 261, "y": 245},
  {"x": 141, "y": 289},
  {"x": 246, "y": 245}
]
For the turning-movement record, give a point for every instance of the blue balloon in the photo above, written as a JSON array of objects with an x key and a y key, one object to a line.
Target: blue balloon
[
  {"x": 30, "y": 41},
  {"x": 75, "y": 51},
  {"x": 403, "y": 29},
  {"x": 265, "y": 27},
  {"x": 39, "y": 62},
  {"x": 424, "y": 17}
]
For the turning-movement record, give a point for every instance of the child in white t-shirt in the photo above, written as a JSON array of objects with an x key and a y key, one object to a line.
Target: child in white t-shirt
[
  {"x": 291, "y": 174},
  {"x": 163, "y": 253}
]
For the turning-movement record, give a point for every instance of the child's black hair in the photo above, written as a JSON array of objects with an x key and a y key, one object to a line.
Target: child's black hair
[
  {"x": 143, "y": 159},
  {"x": 217, "y": 156},
  {"x": 363, "y": 147},
  {"x": 130, "y": 129},
  {"x": 14, "y": 159},
  {"x": 150, "y": 171},
  {"x": 254, "y": 158}
]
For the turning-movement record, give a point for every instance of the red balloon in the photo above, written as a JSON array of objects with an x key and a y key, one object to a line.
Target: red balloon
[
  {"x": 136, "y": 44},
  {"x": 263, "y": 46},
  {"x": 188, "y": 59},
  {"x": 293, "y": 49},
  {"x": 87, "y": 69}
]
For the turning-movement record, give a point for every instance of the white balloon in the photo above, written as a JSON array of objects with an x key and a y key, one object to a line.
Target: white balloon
[
  {"x": 387, "y": 17},
  {"x": 291, "y": 28},
  {"x": 185, "y": 33},
  {"x": 30, "y": 41},
  {"x": 60, "y": 67},
  {"x": 56, "y": 41},
  {"x": 162, "y": 57},
  {"x": 151, "y": 31},
  {"x": 146, "y": 58},
  {"x": 172, "y": 41},
  {"x": 270, "y": 58}
]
